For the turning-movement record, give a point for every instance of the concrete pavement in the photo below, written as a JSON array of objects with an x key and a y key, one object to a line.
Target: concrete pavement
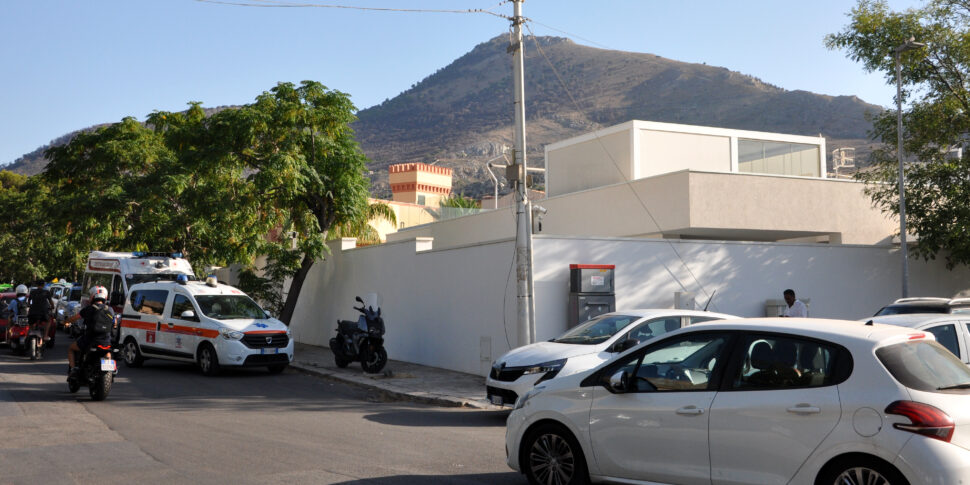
[{"x": 399, "y": 380}]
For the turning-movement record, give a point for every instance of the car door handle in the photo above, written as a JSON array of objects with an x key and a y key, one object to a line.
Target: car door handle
[
  {"x": 804, "y": 408},
  {"x": 690, "y": 411},
  {"x": 170, "y": 324}
]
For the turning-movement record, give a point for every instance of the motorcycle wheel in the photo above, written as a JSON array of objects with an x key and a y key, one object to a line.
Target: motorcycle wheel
[
  {"x": 32, "y": 350},
  {"x": 373, "y": 360},
  {"x": 101, "y": 386},
  {"x": 338, "y": 357},
  {"x": 50, "y": 343}
]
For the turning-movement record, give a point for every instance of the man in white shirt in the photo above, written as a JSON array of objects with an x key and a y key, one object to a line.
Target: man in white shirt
[{"x": 795, "y": 307}]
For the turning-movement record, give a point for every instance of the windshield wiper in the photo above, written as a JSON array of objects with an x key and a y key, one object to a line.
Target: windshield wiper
[{"x": 965, "y": 385}]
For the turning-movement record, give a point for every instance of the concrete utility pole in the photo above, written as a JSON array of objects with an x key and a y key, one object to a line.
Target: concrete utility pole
[
  {"x": 518, "y": 174},
  {"x": 910, "y": 44}
]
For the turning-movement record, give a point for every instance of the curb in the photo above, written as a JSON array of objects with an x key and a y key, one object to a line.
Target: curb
[{"x": 389, "y": 392}]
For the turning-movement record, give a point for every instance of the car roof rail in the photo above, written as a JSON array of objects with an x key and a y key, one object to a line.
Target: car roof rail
[
  {"x": 922, "y": 298},
  {"x": 960, "y": 301}
]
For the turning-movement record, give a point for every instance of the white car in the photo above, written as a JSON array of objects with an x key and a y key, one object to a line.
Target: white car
[
  {"x": 785, "y": 401},
  {"x": 212, "y": 324},
  {"x": 952, "y": 330},
  {"x": 582, "y": 347}
]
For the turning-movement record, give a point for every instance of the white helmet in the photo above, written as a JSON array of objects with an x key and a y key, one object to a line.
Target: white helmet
[
  {"x": 99, "y": 292},
  {"x": 21, "y": 289}
]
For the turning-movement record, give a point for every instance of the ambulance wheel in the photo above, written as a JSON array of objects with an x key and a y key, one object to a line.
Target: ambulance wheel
[
  {"x": 131, "y": 354},
  {"x": 208, "y": 360},
  {"x": 276, "y": 369}
]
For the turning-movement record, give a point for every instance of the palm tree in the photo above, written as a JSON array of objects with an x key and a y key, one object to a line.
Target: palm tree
[{"x": 360, "y": 227}]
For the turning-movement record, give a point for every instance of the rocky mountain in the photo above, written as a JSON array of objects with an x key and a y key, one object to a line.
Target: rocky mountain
[{"x": 461, "y": 115}]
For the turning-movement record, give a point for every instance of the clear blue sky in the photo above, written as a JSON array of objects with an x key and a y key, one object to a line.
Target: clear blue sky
[{"x": 69, "y": 64}]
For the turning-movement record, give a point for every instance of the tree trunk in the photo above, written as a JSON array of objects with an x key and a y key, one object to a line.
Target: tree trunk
[{"x": 295, "y": 286}]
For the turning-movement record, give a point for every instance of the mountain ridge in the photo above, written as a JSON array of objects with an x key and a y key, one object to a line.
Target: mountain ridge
[{"x": 461, "y": 115}]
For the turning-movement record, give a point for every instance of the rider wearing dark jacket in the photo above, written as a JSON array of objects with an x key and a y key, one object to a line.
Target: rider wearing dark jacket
[{"x": 99, "y": 297}]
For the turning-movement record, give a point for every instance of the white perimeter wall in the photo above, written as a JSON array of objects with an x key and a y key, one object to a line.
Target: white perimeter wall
[{"x": 456, "y": 308}]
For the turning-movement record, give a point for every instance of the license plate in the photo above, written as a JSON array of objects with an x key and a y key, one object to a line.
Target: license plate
[
  {"x": 496, "y": 400},
  {"x": 269, "y": 351},
  {"x": 108, "y": 364}
]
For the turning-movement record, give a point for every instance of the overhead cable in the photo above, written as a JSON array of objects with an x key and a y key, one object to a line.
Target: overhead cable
[{"x": 285, "y": 4}]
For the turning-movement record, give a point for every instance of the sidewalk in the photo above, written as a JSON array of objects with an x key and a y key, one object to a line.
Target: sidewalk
[{"x": 399, "y": 380}]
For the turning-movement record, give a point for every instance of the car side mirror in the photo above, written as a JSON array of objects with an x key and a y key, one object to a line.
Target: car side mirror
[
  {"x": 624, "y": 345},
  {"x": 358, "y": 299},
  {"x": 188, "y": 315},
  {"x": 266, "y": 312},
  {"x": 619, "y": 382},
  {"x": 117, "y": 298}
]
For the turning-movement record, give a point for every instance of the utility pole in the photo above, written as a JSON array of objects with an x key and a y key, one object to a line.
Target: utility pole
[{"x": 518, "y": 173}]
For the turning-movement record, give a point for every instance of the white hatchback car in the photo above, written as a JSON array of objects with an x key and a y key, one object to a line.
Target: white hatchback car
[
  {"x": 786, "y": 401},
  {"x": 581, "y": 348},
  {"x": 952, "y": 330},
  {"x": 212, "y": 324}
]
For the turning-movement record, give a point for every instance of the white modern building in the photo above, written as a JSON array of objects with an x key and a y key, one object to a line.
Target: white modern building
[{"x": 679, "y": 210}]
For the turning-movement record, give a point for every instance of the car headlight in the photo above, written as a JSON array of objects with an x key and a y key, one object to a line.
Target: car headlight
[
  {"x": 551, "y": 366},
  {"x": 230, "y": 334}
]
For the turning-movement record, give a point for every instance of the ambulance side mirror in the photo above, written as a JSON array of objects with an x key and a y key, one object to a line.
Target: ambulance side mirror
[{"x": 189, "y": 315}]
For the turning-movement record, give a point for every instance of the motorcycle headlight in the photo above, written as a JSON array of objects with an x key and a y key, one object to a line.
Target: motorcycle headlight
[
  {"x": 551, "y": 366},
  {"x": 230, "y": 334}
]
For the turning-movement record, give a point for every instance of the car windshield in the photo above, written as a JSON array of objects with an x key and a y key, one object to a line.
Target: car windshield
[
  {"x": 597, "y": 330},
  {"x": 228, "y": 307},
  {"x": 905, "y": 309},
  {"x": 925, "y": 365},
  {"x": 135, "y": 278}
]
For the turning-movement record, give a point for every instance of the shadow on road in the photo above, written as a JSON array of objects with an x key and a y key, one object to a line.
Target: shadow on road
[
  {"x": 480, "y": 478},
  {"x": 458, "y": 419}
]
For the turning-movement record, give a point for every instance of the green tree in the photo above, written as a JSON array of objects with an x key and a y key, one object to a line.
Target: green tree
[
  {"x": 459, "y": 201},
  {"x": 307, "y": 168},
  {"x": 937, "y": 87}
]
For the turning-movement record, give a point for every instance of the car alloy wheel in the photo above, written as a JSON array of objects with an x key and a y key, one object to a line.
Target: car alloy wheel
[
  {"x": 861, "y": 476},
  {"x": 552, "y": 460}
]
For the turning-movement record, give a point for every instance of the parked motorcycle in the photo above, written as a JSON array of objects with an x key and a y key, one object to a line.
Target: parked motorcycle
[
  {"x": 362, "y": 340},
  {"x": 96, "y": 371}
]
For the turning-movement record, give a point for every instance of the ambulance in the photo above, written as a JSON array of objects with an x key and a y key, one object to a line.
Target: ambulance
[
  {"x": 118, "y": 271},
  {"x": 207, "y": 323}
]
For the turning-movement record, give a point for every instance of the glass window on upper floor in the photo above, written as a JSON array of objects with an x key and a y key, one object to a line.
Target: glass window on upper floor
[{"x": 777, "y": 158}]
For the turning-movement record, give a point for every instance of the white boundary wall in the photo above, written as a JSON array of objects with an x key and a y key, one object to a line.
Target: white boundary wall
[{"x": 444, "y": 308}]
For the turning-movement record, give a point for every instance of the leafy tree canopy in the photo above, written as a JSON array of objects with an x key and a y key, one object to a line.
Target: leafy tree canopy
[{"x": 936, "y": 89}]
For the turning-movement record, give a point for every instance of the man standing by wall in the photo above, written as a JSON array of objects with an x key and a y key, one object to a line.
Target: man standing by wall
[{"x": 795, "y": 308}]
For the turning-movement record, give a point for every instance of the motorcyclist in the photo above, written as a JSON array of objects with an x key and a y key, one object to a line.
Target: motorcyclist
[
  {"x": 18, "y": 303},
  {"x": 41, "y": 304},
  {"x": 98, "y": 303}
]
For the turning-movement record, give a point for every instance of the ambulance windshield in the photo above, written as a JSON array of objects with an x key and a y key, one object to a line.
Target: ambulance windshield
[{"x": 228, "y": 307}]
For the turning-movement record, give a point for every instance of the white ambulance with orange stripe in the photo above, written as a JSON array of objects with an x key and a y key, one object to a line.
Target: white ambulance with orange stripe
[
  {"x": 211, "y": 324},
  {"x": 118, "y": 271}
]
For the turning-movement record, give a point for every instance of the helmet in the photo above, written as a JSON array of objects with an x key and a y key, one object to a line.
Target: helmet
[
  {"x": 21, "y": 289},
  {"x": 99, "y": 292}
]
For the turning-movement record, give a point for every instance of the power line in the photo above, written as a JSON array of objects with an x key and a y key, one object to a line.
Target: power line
[
  {"x": 283, "y": 4},
  {"x": 617, "y": 167}
]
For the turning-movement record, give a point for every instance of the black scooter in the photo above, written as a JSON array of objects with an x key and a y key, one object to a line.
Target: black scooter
[
  {"x": 96, "y": 371},
  {"x": 362, "y": 340}
]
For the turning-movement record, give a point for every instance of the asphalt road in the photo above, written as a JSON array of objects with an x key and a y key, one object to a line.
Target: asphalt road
[{"x": 166, "y": 423}]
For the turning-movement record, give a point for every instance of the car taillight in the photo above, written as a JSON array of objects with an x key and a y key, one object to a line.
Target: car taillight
[{"x": 925, "y": 419}]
